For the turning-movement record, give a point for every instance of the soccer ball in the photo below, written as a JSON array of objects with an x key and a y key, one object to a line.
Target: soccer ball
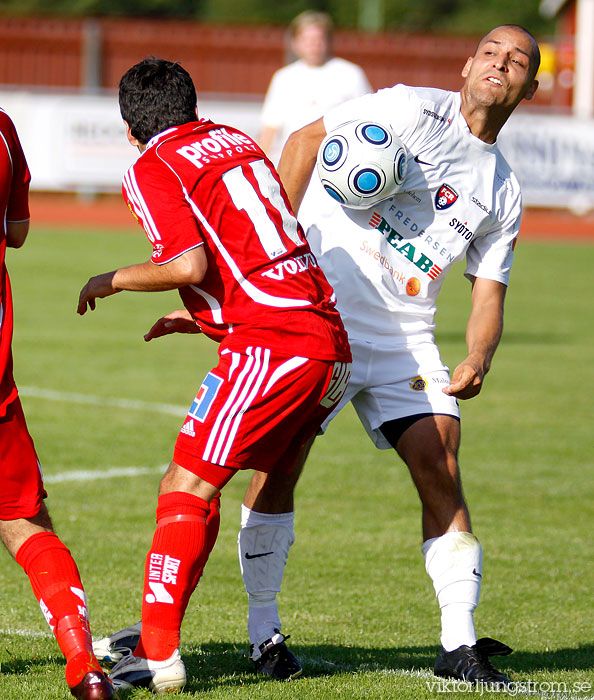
[{"x": 361, "y": 163}]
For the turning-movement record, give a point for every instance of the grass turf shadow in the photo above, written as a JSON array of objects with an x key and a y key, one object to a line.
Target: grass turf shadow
[{"x": 219, "y": 664}]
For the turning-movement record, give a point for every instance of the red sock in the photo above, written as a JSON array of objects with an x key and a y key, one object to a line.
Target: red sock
[
  {"x": 173, "y": 566},
  {"x": 212, "y": 531},
  {"x": 57, "y": 586}
]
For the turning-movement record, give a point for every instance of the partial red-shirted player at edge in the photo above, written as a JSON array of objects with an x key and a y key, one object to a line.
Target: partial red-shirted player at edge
[
  {"x": 222, "y": 232},
  {"x": 25, "y": 525}
]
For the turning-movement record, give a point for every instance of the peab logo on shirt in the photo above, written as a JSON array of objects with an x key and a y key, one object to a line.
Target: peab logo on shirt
[
  {"x": 404, "y": 247},
  {"x": 445, "y": 197}
]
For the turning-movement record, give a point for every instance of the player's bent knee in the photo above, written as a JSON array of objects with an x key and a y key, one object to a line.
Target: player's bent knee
[
  {"x": 271, "y": 493},
  {"x": 178, "y": 478}
]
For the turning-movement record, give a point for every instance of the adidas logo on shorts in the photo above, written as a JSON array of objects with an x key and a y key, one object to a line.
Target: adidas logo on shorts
[{"x": 188, "y": 428}]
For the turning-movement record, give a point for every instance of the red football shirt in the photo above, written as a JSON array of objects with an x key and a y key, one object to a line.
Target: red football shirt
[
  {"x": 206, "y": 184},
  {"x": 14, "y": 206}
]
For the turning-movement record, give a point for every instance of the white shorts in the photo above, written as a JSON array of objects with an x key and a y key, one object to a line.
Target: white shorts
[{"x": 389, "y": 383}]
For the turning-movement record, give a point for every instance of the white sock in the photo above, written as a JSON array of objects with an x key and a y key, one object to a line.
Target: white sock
[
  {"x": 263, "y": 544},
  {"x": 454, "y": 563}
]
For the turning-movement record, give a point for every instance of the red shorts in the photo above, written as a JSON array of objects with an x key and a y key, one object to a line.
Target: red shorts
[
  {"x": 21, "y": 482},
  {"x": 255, "y": 410}
]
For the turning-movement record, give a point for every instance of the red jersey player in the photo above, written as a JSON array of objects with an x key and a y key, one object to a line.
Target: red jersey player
[
  {"x": 25, "y": 525},
  {"x": 222, "y": 233}
]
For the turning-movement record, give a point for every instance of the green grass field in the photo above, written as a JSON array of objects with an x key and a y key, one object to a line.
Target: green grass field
[{"x": 356, "y": 600}]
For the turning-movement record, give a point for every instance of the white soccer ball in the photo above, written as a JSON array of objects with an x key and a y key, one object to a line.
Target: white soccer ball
[{"x": 361, "y": 163}]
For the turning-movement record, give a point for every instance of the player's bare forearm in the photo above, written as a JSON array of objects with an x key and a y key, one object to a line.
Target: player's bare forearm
[
  {"x": 16, "y": 233},
  {"x": 485, "y": 324},
  {"x": 188, "y": 268},
  {"x": 97, "y": 287},
  {"x": 179, "y": 321},
  {"x": 483, "y": 333},
  {"x": 298, "y": 160}
]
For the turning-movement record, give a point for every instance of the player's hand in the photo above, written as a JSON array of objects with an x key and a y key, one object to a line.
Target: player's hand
[
  {"x": 467, "y": 381},
  {"x": 176, "y": 322},
  {"x": 97, "y": 287}
]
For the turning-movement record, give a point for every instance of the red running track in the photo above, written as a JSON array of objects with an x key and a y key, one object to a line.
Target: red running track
[{"x": 68, "y": 210}]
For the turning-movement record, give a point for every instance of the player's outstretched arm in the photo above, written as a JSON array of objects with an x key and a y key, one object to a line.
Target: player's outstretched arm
[
  {"x": 298, "y": 160},
  {"x": 179, "y": 321},
  {"x": 188, "y": 268},
  {"x": 483, "y": 334}
]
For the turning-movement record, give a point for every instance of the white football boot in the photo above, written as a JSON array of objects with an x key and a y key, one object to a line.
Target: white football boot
[
  {"x": 168, "y": 676},
  {"x": 110, "y": 650}
]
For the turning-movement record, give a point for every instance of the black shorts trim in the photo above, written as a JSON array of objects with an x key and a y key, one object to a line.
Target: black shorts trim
[{"x": 393, "y": 430}]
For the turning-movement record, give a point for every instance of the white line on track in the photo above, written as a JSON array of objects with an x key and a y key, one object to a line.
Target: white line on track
[
  {"x": 24, "y": 633},
  {"x": 50, "y": 395},
  {"x": 91, "y": 399},
  {"x": 101, "y": 473}
]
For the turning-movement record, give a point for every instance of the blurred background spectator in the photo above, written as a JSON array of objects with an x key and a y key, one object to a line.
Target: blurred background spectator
[{"x": 304, "y": 90}]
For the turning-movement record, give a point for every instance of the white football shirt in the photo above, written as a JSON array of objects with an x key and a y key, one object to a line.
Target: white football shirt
[
  {"x": 460, "y": 198},
  {"x": 299, "y": 94}
]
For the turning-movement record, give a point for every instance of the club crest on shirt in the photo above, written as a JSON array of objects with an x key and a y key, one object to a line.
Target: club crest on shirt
[
  {"x": 418, "y": 384},
  {"x": 445, "y": 197}
]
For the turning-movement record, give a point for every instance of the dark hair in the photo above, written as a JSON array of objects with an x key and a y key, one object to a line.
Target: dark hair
[{"x": 155, "y": 95}]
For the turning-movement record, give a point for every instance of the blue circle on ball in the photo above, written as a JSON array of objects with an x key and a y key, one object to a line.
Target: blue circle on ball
[
  {"x": 332, "y": 152},
  {"x": 334, "y": 194},
  {"x": 367, "y": 181},
  {"x": 375, "y": 134},
  {"x": 401, "y": 167}
]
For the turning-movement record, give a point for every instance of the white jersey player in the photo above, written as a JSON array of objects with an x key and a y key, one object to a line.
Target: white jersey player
[
  {"x": 461, "y": 199},
  {"x": 387, "y": 265}
]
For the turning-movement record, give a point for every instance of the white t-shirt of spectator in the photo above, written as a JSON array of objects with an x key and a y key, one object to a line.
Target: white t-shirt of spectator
[
  {"x": 299, "y": 94},
  {"x": 460, "y": 199}
]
